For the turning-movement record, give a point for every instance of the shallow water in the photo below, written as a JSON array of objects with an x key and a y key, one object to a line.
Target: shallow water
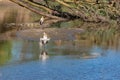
[{"x": 66, "y": 60}]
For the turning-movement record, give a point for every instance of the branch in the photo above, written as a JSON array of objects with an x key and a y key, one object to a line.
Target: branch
[
  {"x": 65, "y": 4},
  {"x": 28, "y": 6}
]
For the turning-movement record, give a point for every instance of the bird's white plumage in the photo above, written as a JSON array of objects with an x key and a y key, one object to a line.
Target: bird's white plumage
[
  {"x": 44, "y": 39},
  {"x": 41, "y": 20}
]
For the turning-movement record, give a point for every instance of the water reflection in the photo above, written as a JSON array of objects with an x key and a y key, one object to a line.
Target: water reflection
[
  {"x": 106, "y": 39},
  {"x": 20, "y": 51},
  {"x": 90, "y": 56},
  {"x": 5, "y": 52},
  {"x": 43, "y": 55},
  {"x": 59, "y": 57}
]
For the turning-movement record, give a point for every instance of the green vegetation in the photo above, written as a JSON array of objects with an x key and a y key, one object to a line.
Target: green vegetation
[
  {"x": 87, "y": 10},
  {"x": 5, "y": 52}
]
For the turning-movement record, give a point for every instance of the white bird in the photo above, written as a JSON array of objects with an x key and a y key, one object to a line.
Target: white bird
[
  {"x": 44, "y": 40},
  {"x": 41, "y": 20}
]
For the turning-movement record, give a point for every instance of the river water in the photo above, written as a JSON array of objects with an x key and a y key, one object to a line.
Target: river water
[{"x": 91, "y": 56}]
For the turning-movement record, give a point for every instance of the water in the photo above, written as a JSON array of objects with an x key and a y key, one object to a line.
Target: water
[
  {"x": 66, "y": 60},
  {"x": 91, "y": 56}
]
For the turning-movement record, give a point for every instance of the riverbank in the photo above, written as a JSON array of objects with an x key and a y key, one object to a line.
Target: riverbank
[{"x": 57, "y": 30}]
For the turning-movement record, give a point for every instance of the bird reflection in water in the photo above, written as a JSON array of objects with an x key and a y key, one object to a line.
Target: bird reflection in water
[{"x": 43, "y": 55}]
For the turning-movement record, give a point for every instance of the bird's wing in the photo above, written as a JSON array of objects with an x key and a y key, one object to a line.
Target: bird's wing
[{"x": 42, "y": 39}]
